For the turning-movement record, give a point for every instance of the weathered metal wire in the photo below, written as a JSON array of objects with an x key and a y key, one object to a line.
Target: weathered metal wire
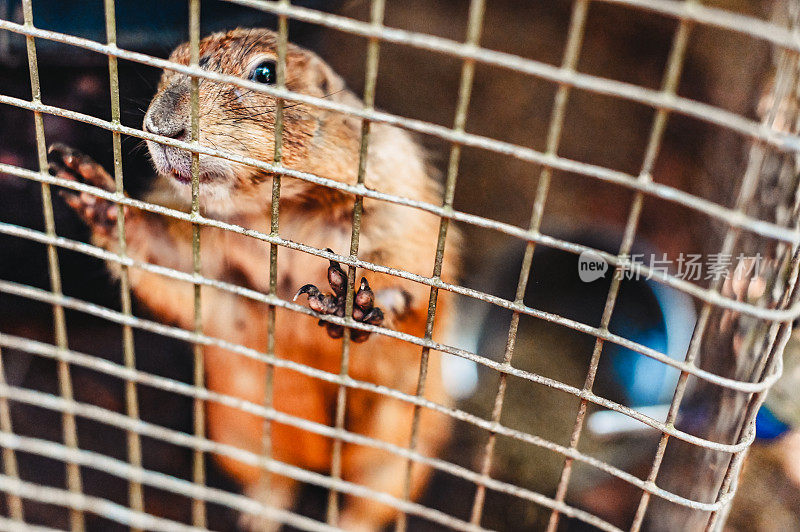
[
  {"x": 198, "y": 457},
  {"x": 274, "y": 223},
  {"x": 669, "y": 86},
  {"x": 664, "y": 101},
  {"x": 370, "y": 80},
  {"x": 730, "y": 121},
  {"x": 69, "y": 428},
  {"x": 474, "y": 29},
  {"x": 571, "y": 53},
  {"x": 135, "y": 494},
  {"x": 10, "y": 467}
]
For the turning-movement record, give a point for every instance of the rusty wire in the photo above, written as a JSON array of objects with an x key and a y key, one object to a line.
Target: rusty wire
[
  {"x": 135, "y": 494},
  {"x": 69, "y": 429},
  {"x": 664, "y": 101}
]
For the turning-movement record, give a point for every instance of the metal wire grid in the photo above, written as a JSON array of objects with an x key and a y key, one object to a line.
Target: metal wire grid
[{"x": 664, "y": 101}]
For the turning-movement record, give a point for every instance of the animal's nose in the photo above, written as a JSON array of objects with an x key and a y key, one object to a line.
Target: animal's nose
[
  {"x": 168, "y": 113},
  {"x": 168, "y": 127}
]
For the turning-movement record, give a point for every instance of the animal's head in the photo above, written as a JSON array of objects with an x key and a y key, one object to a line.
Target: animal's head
[{"x": 242, "y": 121}]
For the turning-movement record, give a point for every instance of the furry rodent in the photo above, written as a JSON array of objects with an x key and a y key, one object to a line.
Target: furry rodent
[{"x": 326, "y": 144}]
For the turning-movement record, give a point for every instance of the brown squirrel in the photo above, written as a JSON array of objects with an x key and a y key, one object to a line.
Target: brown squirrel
[{"x": 324, "y": 143}]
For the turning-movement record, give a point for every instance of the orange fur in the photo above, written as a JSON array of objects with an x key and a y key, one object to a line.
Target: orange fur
[{"x": 325, "y": 144}]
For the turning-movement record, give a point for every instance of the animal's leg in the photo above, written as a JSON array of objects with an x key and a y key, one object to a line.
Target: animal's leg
[
  {"x": 149, "y": 238},
  {"x": 300, "y": 396},
  {"x": 388, "y": 420},
  {"x": 99, "y": 214},
  {"x": 277, "y": 492}
]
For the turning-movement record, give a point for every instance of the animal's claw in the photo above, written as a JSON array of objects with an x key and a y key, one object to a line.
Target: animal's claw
[
  {"x": 319, "y": 302},
  {"x": 364, "y": 297},
  {"x": 337, "y": 277},
  {"x": 334, "y": 303},
  {"x": 69, "y": 164},
  {"x": 374, "y": 316}
]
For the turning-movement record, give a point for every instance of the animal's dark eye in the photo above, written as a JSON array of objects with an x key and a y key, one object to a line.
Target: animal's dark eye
[{"x": 265, "y": 72}]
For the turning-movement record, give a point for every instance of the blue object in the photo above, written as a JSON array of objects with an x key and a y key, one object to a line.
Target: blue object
[
  {"x": 663, "y": 323},
  {"x": 769, "y": 427},
  {"x": 641, "y": 377}
]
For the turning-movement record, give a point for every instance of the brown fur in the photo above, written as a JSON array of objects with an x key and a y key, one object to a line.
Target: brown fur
[{"x": 325, "y": 144}]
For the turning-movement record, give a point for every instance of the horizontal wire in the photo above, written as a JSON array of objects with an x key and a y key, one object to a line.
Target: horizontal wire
[
  {"x": 735, "y": 219},
  {"x": 188, "y": 336},
  {"x": 710, "y": 16},
  {"x": 189, "y": 441},
  {"x": 10, "y": 525},
  {"x": 635, "y": 93},
  {"x": 126, "y": 471},
  {"x": 170, "y": 385},
  {"x": 749, "y": 128},
  {"x": 96, "y": 505},
  {"x": 94, "y": 251}
]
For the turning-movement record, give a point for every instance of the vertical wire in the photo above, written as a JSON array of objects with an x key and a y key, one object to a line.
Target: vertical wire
[
  {"x": 198, "y": 459},
  {"x": 749, "y": 183},
  {"x": 10, "y": 468},
  {"x": 474, "y": 28},
  {"x": 669, "y": 86},
  {"x": 135, "y": 494},
  {"x": 77, "y": 522},
  {"x": 377, "y": 8},
  {"x": 283, "y": 38},
  {"x": 773, "y": 363},
  {"x": 718, "y": 517},
  {"x": 569, "y": 63}
]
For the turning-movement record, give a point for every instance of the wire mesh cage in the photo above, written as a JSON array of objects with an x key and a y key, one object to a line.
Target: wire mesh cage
[{"x": 742, "y": 200}]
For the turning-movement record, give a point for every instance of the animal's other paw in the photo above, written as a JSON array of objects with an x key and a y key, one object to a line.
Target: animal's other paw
[
  {"x": 364, "y": 309},
  {"x": 66, "y": 163}
]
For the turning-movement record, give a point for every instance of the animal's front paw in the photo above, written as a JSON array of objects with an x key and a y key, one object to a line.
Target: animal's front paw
[
  {"x": 66, "y": 163},
  {"x": 364, "y": 309}
]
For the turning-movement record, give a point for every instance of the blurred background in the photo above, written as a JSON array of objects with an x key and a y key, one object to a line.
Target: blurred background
[{"x": 722, "y": 68}]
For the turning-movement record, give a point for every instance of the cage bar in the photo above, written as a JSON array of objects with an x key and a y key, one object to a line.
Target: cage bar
[
  {"x": 70, "y": 431},
  {"x": 571, "y": 53},
  {"x": 474, "y": 29},
  {"x": 283, "y": 36},
  {"x": 670, "y": 87},
  {"x": 10, "y": 468},
  {"x": 370, "y": 79},
  {"x": 135, "y": 494},
  {"x": 198, "y": 458},
  {"x": 664, "y": 101}
]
